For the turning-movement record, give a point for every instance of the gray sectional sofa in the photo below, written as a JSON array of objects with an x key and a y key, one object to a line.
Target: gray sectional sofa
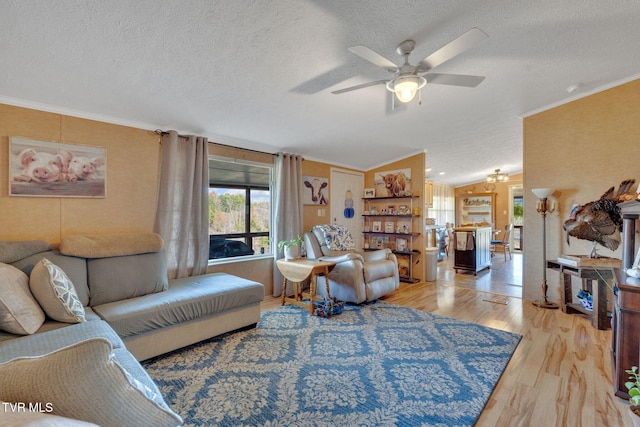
[{"x": 130, "y": 312}]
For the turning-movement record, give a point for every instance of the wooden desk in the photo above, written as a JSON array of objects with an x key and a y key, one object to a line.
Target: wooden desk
[
  {"x": 299, "y": 270},
  {"x": 599, "y": 315}
]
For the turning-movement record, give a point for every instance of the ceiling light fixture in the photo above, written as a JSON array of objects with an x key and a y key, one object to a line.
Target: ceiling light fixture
[
  {"x": 497, "y": 177},
  {"x": 406, "y": 86}
]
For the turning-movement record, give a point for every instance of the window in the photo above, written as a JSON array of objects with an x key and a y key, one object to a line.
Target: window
[{"x": 239, "y": 209}]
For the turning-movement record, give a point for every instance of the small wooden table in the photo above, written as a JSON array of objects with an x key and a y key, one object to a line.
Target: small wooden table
[
  {"x": 297, "y": 271},
  {"x": 600, "y": 318}
]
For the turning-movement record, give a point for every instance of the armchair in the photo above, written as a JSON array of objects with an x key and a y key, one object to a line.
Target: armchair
[{"x": 358, "y": 276}]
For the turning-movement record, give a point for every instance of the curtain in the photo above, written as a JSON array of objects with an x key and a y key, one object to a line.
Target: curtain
[
  {"x": 443, "y": 204},
  {"x": 287, "y": 223},
  {"x": 182, "y": 216}
]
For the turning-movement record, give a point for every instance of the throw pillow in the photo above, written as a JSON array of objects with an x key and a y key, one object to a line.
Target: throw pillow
[
  {"x": 337, "y": 237},
  {"x": 19, "y": 312},
  {"x": 83, "y": 381},
  {"x": 55, "y": 293}
]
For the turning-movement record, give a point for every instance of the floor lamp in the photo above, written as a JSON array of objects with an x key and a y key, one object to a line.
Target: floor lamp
[{"x": 543, "y": 206}]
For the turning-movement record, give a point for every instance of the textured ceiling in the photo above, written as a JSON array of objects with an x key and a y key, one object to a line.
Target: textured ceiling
[{"x": 259, "y": 74}]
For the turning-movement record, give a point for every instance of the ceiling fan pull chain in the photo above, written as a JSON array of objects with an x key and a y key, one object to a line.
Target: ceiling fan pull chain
[{"x": 419, "y": 96}]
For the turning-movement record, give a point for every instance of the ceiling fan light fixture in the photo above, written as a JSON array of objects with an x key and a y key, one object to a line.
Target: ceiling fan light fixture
[{"x": 406, "y": 87}]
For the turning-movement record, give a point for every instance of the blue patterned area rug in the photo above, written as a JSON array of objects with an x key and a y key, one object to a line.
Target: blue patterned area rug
[{"x": 377, "y": 364}]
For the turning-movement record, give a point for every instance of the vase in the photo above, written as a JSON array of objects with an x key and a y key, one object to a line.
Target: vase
[
  {"x": 635, "y": 419},
  {"x": 291, "y": 252}
]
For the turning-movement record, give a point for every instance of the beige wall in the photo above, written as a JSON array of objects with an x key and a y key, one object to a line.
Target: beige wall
[
  {"x": 132, "y": 176},
  {"x": 580, "y": 149}
]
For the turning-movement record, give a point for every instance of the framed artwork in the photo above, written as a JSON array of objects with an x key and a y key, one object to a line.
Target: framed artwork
[
  {"x": 316, "y": 190},
  {"x": 401, "y": 245},
  {"x": 394, "y": 183},
  {"x": 369, "y": 193},
  {"x": 376, "y": 226},
  {"x": 52, "y": 169},
  {"x": 389, "y": 227},
  {"x": 403, "y": 265}
]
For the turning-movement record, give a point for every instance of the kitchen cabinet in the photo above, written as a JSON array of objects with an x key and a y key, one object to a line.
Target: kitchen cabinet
[{"x": 475, "y": 209}]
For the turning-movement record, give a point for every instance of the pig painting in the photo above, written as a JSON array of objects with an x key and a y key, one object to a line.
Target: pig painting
[
  {"x": 83, "y": 168},
  {"x": 41, "y": 168}
]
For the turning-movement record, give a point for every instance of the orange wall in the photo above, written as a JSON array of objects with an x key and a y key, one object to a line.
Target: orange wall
[{"x": 580, "y": 149}]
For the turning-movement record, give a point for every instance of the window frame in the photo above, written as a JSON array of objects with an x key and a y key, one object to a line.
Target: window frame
[{"x": 247, "y": 235}]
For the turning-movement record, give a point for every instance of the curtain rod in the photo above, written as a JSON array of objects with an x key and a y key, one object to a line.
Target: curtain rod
[{"x": 163, "y": 132}]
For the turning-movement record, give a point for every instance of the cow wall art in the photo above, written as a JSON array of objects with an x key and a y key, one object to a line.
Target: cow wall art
[
  {"x": 315, "y": 190},
  {"x": 52, "y": 169},
  {"x": 395, "y": 183}
]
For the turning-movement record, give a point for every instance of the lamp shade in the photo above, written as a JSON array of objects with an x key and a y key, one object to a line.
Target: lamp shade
[{"x": 542, "y": 193}]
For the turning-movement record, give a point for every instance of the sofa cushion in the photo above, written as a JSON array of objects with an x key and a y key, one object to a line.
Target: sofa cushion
[
  {"x": 186, "y": 299},
  {"x": 85, "y": 382},
  {"x": 19, "y": 312},
  {"x": 55, "y": 293},
  {"x": 74, "y": 268},
  {"x": 50, "y": 325},
  {"x": 12, "y": 251},
  {"x": 122, "y": 277}
]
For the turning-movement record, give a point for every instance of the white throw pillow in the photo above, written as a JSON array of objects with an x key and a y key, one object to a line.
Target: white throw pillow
[
  {"x": 19, "y": 312},
  {"x": 55, "y": 293},
  {"x": 83, "y": 381}
]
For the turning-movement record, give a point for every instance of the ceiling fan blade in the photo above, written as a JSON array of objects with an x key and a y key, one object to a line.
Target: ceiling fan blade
[
  {"x": 453, "y": 79},
  {"x": 373, "y": 57},
  {"x": 452, "y": 49},
  {"x": 349, "y": 89}
]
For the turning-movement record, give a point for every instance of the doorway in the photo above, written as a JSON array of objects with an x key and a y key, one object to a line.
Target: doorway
[
  {"x": 516, "y": 216},
  {"x": 345, "y": 184}
]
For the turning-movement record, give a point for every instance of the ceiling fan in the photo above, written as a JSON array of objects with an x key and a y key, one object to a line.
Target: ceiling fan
[{"x": 409, "y": 79}]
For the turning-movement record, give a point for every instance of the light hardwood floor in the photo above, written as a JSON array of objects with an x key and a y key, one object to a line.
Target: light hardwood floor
[{"x": 560, "y": 374}]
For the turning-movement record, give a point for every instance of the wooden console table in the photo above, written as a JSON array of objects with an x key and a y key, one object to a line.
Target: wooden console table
[
  {"x": 299, "y": 270},
  {"x": 599, "y": 316}
]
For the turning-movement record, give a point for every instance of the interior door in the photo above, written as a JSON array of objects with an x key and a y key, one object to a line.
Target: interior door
[{"x": 342, "y": 182}]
